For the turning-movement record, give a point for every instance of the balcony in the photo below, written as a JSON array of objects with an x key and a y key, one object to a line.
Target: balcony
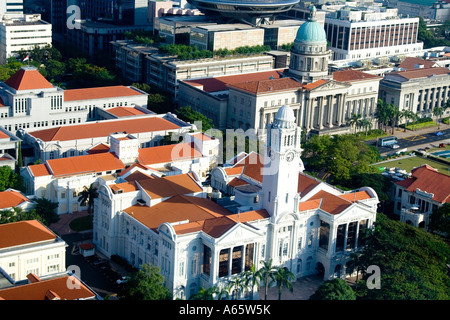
[{"x": 413, "y": 216}]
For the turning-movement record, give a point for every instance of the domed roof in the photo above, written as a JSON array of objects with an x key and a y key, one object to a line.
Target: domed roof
[
  {"x": 311, "y": 30},
  {"x": 284, "y": 118}
]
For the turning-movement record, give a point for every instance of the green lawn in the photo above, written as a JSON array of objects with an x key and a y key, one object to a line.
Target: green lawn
[{"x": 412, "y": 162}]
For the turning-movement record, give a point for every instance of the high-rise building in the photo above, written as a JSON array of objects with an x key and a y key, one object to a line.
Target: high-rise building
[
  {"x": 357, "y": 34},
  {"x": 22, "y": 32},
  {"x": 11, "y": 7}
]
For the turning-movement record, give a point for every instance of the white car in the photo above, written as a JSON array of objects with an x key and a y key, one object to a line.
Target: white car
[{"x": 395, "y": 146}]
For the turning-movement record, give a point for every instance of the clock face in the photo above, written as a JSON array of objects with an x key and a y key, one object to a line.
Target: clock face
[{"x": 290, "y": 156}]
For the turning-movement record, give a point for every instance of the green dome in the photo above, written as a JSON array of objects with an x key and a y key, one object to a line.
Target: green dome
[{"x": 311, "y": 30}]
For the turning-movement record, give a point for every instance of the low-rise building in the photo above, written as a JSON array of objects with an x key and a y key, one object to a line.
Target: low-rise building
[
  {"x": 419, "y": 90},
  {"x": 11, "y": 198},
  {"x": 419, "y": 195},
  {"x": 58, "y": 286},
  {"x": 78, "y": 139},
  {"x": 28, "y": 101},
  {"x": 289, "y": 218},
  {"x": 30, "y": 247},
  {"x": 61, "y": 180}
]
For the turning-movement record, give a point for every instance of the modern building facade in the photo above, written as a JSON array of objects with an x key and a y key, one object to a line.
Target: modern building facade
[
  {"x": 322, "y": 101},
  {"x": 23, "y": 32},
  {"x": 360, "y": 34},
  {"x": 288, "y": 217}
]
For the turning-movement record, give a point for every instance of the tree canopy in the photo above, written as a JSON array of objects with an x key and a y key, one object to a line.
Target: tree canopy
[
  {"x": 412, "y": 261},
  {"x": 146, "y": 284},
  {"x": 336, "y": 289},
  {"x": 341, "y": 156},
  {"x": 186, "y": 113}
]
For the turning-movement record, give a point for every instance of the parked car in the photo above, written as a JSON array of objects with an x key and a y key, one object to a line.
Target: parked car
[
  {"x": 395, "y": 146},
  {"x": 122, "y": 280},
  {"x": 439, "y": 133}
]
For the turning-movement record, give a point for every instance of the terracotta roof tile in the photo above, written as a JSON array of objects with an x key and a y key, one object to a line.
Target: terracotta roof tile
[
  {"x": 91, "y": 163},
  {"x": 168, "y": 153},
  {"x": 11, "y": 198},
  {"x": 39, "y": 170},
  {"x": 353, "y": 75},
  {"x": 306, "y": 184},
  {"x": 331, "y": 203},
  {"x": 410, "y": 62},
  {"x": 100, "y": 93},
  {"x": 49, "y": 289},
  {"x": 264, "y": 86},
  {"x": 315, "y": 84},
  {"x": 125, "y": 111},
  {"x": 170, "y": 186},
  {"x": 420, "y": 73},
  {"x": 176, "y": 209},
  {"x": 24, "y": 232},
  {"x": 356, "y": 196},
  {"x": 104, "y": 129},
  {"x": 221, "y": 83},
  {"x": 28, "y": 79},
  {"x": 427, "y": 179}
]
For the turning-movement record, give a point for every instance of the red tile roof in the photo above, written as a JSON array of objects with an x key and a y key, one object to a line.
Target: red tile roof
[
  {"x": 24, "y": 232},
  {"x": 11, "y": 198},
  {"x": 28, "y": 79},
  {"x": 410, "y": 62},
  {"x": 315, "y": 84},
  {"x": 221, "y": 83},
  {"x": 264, "y": 86},
  {"x": 39, "y": 170},
  {"x": 353, "y": 75},
  {"x": 125, "y": 111},
  {"x": 50, "y": 289},
  {"x": 91, "y": 163},
  {"x": 104, "y": 129},
  {"x": 428, "y": 179},
  {"x": 196, "y": 214},
  {"x": 170, "y": 186},
  {"x": 168, "y": 153},
  {"x": 420, "y": 73},
  {"x": 100, "y": 93}
]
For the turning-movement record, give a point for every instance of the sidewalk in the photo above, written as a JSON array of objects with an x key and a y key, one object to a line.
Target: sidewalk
[
  {"x": 62, "y": 227},
  {"x": 303, "y": 288}
]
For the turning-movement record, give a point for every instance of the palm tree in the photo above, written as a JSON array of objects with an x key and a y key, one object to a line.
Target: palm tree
[
  {"x": 408, "y": 115},
  {"x": 382, "y": 113},
  {"x": 366, "y": 124},
  {"x": 87, "y": 196},
  {"x": 394, "y": 116},
  {"x": 267, "y": 273},
  {"x": 223, "y": 293},
  {"x": 252, "y": 279},
  {"x": 204, "y": 294},
  {"x": 238, "y": 283},
  {"x": 283, "y": 277},
  {"x": 355, "y": 120},
  {"x": 438, "y": 112}
]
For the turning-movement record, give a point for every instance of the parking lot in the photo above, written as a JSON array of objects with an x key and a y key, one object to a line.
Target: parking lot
[{"x": 95, "y": 272}]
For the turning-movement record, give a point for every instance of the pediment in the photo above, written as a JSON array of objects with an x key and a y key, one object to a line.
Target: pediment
[
  {"x": 239, "y": 233},
  {"x": 330, "y": 85},
  {"x": 352, "y": 213}
]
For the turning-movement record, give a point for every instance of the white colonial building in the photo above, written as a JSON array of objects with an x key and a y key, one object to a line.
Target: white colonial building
[
  {"x": 286, "y": 216},
  {"x": 30, "y": 247},
  {"x": 29, "y": 102}
]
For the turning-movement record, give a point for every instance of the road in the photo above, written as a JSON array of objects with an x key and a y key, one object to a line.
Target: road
[
  {"x": 99, "y": 277},
  {"x": 415, "y": 140}
]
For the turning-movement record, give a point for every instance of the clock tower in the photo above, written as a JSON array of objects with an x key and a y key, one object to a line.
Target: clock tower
[{"x": 282, "y": 164}]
